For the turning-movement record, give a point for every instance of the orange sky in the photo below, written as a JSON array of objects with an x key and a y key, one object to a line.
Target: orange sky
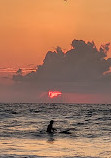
[{"x": 29, "y": 28}]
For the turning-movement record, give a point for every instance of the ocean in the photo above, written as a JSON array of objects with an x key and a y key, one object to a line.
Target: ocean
[{"x": 23, "y": 130}]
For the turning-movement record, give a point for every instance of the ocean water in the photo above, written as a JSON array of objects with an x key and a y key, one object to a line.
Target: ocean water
[{"x": 23, "y": 130}]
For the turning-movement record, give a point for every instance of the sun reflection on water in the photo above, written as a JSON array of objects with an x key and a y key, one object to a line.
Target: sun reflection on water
[{"x": 55, "y": 147}]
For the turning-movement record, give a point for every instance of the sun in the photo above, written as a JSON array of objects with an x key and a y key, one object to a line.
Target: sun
[{"x": 53, "y": 94}]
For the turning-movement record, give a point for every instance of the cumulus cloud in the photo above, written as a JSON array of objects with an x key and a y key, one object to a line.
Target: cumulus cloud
[
  {"x": 83, "y": 69},
  {"x": 84, "y": 62},
  {"x": 82, "y": 74}
]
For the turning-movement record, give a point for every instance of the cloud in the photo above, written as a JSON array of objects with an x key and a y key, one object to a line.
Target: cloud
[
  {"x": 83, "y": 63},
  {"x": 82, "y": 71}
]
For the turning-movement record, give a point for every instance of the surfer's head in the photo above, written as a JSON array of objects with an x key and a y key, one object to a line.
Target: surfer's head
[{"x": 51, "y": 122}]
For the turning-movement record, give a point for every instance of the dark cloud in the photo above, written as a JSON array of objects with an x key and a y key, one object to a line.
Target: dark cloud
[
  {"x": 18, "y": 75},
  {"x": 82, "y": 74},
  {"x": 84, "y": 62},
  {"x": 19, "y": 72},
  {"x": 82, "y": 71}
]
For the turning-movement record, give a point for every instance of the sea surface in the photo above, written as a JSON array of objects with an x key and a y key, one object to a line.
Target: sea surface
[{"x": 23, "y": 130}]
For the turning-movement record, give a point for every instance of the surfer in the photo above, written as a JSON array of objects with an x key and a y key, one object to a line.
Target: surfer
[{"x": 50, "y": 128}]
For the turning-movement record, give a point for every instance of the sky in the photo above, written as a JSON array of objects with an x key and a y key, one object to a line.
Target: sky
[{"x": 31, "y": 28}]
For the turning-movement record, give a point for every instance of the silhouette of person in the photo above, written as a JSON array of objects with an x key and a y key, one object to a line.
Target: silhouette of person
[{"x": 50, "y": 128}]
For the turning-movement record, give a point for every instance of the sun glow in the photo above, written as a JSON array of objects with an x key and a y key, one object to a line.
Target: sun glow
[{"x": 53, "y": 94}]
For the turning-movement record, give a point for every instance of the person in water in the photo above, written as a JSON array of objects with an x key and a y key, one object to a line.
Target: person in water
[{"x": 50, "y": 128}]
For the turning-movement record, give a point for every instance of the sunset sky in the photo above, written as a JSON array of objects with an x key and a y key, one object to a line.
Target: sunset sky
[{"x": 30, "y": 28}]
